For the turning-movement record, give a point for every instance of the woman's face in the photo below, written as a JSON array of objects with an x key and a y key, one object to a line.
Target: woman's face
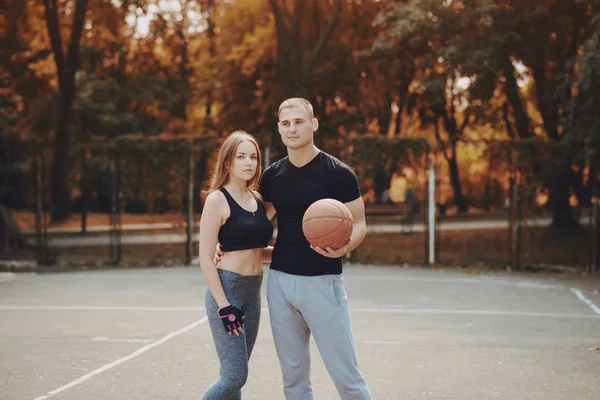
[{"x": 245, "y": 161}]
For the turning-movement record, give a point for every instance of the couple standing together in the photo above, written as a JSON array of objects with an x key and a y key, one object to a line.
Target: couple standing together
[{"x": 305, "y": 289}]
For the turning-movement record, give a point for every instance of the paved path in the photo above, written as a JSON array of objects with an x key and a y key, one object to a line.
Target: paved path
[{"x": 148, "y": 238}]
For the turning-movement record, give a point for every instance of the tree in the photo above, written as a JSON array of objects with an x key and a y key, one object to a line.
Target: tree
[
  {"x": 298, "y": 49},
  {"x": 434, "y": 32},
  {"x": 551, "y": 39},
  {"x": 67, "y": 65},
  {"x": 583, "y": 118}
]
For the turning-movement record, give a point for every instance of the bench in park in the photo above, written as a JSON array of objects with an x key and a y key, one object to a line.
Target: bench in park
[{"x": 402, "y": 213}]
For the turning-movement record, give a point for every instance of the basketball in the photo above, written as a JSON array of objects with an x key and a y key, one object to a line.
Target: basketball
[{"x": 327, "y": 223}]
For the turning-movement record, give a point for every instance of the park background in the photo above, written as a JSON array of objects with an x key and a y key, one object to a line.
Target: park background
[{"x": 111, "y": 112}]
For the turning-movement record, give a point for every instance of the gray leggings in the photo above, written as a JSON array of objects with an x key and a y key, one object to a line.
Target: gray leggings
[{"x": 234, "y": 351}]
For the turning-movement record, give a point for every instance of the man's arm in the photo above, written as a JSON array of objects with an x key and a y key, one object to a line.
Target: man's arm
[
  {"x": 359, "y": 230},
  {"x": 359, "y": 226},
  {"x": 270, "y": 209},
  {"x": 267, "y": 254}
]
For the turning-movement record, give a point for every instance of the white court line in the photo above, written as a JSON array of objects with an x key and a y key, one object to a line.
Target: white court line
[
  {"x": 409, "y": 279},
  {"x": 484, "y": 280},
  {"x": 383, "y": 342},
  {"x": 109, "y": 339},
  {"x": 101, "y": 308},
  {"x": 587, "y": 301},
  {"x": 472, "y": 312},
  {"x": 352, "y": 309},
  {"x": 122, "y": 360}
]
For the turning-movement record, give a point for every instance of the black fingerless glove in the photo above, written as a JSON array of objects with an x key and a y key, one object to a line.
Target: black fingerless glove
[{"x": 232, "y": 317}]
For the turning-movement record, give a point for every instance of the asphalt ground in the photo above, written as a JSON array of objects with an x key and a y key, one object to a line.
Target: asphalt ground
[{"x": 419, "y": 333}]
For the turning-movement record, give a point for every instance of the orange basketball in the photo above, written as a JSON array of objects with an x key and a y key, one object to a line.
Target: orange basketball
[{"x": 327, "y": 223}]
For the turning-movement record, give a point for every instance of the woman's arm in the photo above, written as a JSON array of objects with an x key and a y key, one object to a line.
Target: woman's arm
[{"x": 210, "y": 223}]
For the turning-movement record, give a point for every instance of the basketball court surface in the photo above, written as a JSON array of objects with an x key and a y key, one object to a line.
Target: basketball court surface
[{"x": 420, "y": 334}]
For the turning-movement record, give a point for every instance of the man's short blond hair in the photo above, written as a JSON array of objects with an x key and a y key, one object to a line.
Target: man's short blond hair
[{"x": 297, "y": 102}]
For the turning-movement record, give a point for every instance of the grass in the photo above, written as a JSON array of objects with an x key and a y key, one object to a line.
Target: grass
[{"x": 548, "y": 247}]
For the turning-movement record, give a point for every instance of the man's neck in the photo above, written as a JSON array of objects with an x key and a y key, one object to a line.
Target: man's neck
[{"x": 301, "y": 157}]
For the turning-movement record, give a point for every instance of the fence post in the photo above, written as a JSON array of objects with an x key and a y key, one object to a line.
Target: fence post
[
  {"x": 41, "y": 223},
  {"x": 514, "y": 215},
  {"x": 595, "y": 223},
  {"x": 189, "y": 210},
  {"x": 115, "y": 212},
  {"x": 431, "y": 211},
  {"x": 84, "y": 185}
]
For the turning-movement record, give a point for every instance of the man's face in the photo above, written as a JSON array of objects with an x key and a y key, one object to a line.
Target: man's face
[{"x": 297, "y": 127}]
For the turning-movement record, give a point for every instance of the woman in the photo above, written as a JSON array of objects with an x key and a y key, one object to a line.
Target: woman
[{"x": 234, "y": 216}]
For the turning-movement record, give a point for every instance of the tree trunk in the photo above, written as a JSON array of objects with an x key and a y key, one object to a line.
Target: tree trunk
[
  {"x": 184, "y": 73},
  {"x": 406, "y": 75},
  {"x": 120, "y": 74},
  {"x": 199, "y": 178},
  {"x": 562, "y": 213},
  {"x": 295, "y": 64},
  {"x": 66, "y": 67},
  {"x": 459, "y": 199},
  {"x": 10, "y": 234},
  {"x": 547, "y": 103},
  {"x": 384, "y": 116},
  {"x": 11, "y": 237},
  {"x": 61, "y": 196},
  {"x": 381, "y": 184},
  {"x": 210, "y": 31},
  {"x": 512, "y": 94},
  {"x": 454, "y": 132}
]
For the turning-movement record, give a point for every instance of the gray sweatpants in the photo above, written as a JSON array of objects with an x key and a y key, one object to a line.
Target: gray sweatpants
[
  {"x": 299, "y": 306},
  {"x": 234, "y": 352}
]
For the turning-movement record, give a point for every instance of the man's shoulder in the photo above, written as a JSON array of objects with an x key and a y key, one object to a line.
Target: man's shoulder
[
  {"x": 276, "y": 165},
  {"x": 334, "y": 162},
  {"x": 275, "y": 168}
]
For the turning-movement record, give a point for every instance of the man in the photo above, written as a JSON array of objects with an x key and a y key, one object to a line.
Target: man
[{"x": 305, "y": 289}]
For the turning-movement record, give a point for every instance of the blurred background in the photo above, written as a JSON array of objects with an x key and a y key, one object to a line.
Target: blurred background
[{"x": 473, "y": 126}]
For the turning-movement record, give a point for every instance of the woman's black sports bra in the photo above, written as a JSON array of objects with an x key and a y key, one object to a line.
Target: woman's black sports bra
[{"x": 245, "y": 229}]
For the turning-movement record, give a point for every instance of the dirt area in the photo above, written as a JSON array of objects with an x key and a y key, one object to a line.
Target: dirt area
[{"x": 541, "y": 248}]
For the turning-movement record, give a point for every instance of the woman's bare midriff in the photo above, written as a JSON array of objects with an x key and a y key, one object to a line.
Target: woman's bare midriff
[{"x": 244, "y": 262}]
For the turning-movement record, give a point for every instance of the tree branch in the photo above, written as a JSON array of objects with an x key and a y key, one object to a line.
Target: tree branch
[
  {"x": 50, "y": 9},
  {"x": 297, "y": 13},
  {"x": 439, "y": 139},
  {"x": 465, "y": 121},
  {"x": 279, "y": 17},
  {"x": 74, "y": 47},
  {"x": 337, "y": 9}
]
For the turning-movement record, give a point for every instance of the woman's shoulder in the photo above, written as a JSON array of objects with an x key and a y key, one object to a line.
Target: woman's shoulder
[
  {"x": 258, "y": 196},
  {"x": 215, "y": 199}
]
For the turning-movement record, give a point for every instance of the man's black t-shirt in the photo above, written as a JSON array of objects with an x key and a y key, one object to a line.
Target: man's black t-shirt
[{"x": 292, "y": 190}]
